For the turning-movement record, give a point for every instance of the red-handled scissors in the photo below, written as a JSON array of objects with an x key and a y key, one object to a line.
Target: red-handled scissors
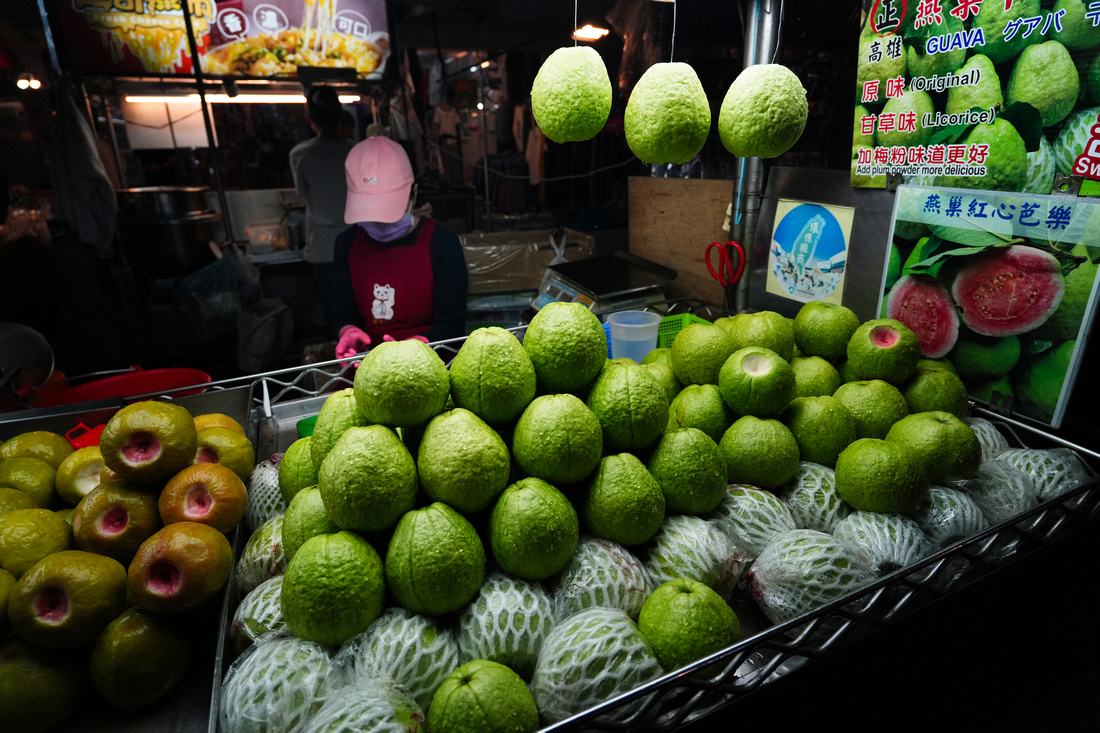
[{"x": 725, "y": 273}]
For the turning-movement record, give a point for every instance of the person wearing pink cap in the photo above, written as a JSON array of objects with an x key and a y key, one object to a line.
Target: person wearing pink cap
[{"x": 398, "y": 275}]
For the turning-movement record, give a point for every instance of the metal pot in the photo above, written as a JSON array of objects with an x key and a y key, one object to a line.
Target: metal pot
[
  {"x": 161, "y": 202},
  {"x": 171, "y": 247}
]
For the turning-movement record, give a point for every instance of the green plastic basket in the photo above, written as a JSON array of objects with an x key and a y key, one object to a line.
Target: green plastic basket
[
  {"x": 672, "y": 325},
  {"x": 306, "y": 425}
]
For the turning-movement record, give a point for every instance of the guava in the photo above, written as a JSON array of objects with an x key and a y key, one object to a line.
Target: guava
[
  {"x": 994, "y": 18},
  {"x": 667, "y": 117},
  {"x": 987, "y": 390},
  {"x": 925, "y": 306},
  {"x": 764, "y": 112},
  {"x": 984, "y": 94},
  {"x": 1046, "y": 78},
  {"x": 917, "y": 103},
  {"x": 983, "y": 358},
  {"x": 859, "y": 137},
  {"x": 1078, "y": 30},
  {"x": 571, "y": 94},
  {"x": 1038, "y": 384},
  {"x": 1066, "y": 321},
  {"x": 1007, "y": 291},
  {"x": 1093, "y": 80},
  {"x": 863, "y": 180},
  {"x": 877, "y": 67},
  {"x": 919, "y": 63},
  {"x": 1006, "y": 165}
]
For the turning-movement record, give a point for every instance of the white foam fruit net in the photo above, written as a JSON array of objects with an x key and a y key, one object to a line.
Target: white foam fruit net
[
  {"x": 948, "y": 515},
  {"x": 694, "y": 548},
  {"x": 260, "y": 612},
  {"x": 803, "y": 569},
  {"x": 603, "y": 574},
  {"x": 812, "y": 498},
  {"x": 752, "y": 517},
  {"x": 1054, "y": 471},
  {"x": 264, "y": 498},
  {"x": 416, "y": 652},
  {"x": 991, "y": 439},
  {"x": 263, "y": 557},
  {"x": 507, "y": 623},
  {"x": 275, "y": 686},
  {"x": 589, "y": 658},
  {"x": 893, "y": 541},
  {"x": 1000, "y": 490},
  {"x": 375, "y": 705}
]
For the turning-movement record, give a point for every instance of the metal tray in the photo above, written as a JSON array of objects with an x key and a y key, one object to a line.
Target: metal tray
[
  {"x": 187, "y": 708},
  {"x": 769, "y": 652}
]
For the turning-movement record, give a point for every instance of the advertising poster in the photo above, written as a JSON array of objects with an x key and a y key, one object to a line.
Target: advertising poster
[
  {"x": 809, "y": 251},
  {"x": 1002, "y": 284},
  {"x": 128, "y": 37},
  {"x": 235, "y": 38},
  {"x": 983, "y": 94}
]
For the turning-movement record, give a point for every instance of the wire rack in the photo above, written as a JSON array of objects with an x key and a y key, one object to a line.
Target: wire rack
[
  {"x": 728, "y": 677},
  {"x": 725, "y": 679},
  {"x": 312, "y": 380}
]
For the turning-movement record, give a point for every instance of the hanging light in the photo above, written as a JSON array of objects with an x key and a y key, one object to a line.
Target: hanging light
[
  {"x": 27, "y": 80},
  {"x": 589, "y": 32},
  {"x": 240, "y": 98}
]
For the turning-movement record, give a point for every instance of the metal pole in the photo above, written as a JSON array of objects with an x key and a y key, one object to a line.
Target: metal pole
[
  {"x": 215, "y": 152},
  {"x": 485, "y": 144},
  {"x": 114, "y": 142},
  {"x": 761, "y": 44}
]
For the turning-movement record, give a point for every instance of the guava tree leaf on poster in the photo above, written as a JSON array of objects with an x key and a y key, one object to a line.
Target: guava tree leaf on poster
[
  {"x": 924, "y": 249},
  {"x": 936, "y": 262},
  {"x": 991, "y": 234}
]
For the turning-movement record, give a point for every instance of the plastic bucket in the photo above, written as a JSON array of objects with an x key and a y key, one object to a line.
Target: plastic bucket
[
  {"x": 139, "y": 382},
  {"x": 633, "y": 334}
]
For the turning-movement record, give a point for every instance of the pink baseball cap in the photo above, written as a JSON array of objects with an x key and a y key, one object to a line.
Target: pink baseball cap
[{"x": 380, "y": 179}]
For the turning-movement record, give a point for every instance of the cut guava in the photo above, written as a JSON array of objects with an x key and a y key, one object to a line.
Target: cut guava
[
  {"x": 925, "y": 306},
  {"x": 1008, "y": 291}
]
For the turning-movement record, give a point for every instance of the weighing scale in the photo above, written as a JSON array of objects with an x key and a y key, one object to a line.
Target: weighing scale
[{"x": 620, "y": 281}]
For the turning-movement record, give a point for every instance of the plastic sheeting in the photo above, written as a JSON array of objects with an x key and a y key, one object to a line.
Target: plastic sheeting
[
  {"x": 516, "y": 260},
  {"x": 83, "y": 194}
]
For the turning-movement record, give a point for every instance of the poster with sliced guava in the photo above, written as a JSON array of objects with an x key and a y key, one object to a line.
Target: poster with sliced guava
[
  {"x": 982, "y": 94},
  {"x": 1002, "y": 285}
]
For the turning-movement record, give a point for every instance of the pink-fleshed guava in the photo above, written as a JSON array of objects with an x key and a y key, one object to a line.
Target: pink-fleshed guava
[
  {"x": 1007, "y": 291},
  {"x": 925, "y": 306}
]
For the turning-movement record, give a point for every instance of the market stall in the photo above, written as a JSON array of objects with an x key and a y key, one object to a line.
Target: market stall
[{"x": 952, "y": 269}]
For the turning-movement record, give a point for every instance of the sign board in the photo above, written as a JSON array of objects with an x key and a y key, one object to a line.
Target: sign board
[
  {"x": 809, "y": 251},
  {"x": 234, "y": 38},
  {"x": 983, "y": 94},
  {"x": 1003, "y": 284}
]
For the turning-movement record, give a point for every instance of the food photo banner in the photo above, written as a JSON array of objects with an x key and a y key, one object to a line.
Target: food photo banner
[
  {"x": 235, "y": 38},
  {"x": 984, "y": 94},
  {"x": 1001, "y": 284}
]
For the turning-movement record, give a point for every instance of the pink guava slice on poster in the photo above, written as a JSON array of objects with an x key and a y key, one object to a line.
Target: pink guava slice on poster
[
  {"x": 925, "y": 306},
  {"x": 1007, "y": 291}
]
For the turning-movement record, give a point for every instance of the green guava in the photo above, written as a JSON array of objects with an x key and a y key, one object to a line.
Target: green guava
[
  {"x": 984, "y": 94},
  {"x": 1037, "y": 385},
  {"x": 916, "y": 103},
  {"x": 1006, "y": 164},
  {"x": 1046, "y": 78}
]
